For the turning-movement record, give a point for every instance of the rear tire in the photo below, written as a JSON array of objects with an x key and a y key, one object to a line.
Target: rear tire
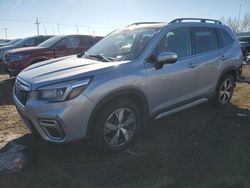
[
  {"x": 224, "y": 91},
  {"x": 116, "y": 125}
]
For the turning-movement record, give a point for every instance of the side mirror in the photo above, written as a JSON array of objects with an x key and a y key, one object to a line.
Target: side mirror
[
  {"x": 79, "y": 55},
  {"x": 165, "y": 58}
]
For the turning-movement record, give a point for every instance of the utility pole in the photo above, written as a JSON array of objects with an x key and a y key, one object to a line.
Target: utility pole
[
  {"x": 58, "y": 29},
  {"x": 6, "y": 35},
  {"x": 45, "y": 31},
  {"x": 77, "y": 27},
  {"x": 238, "y": 24},
  {"x": 88, "y": 30},
  {"x": 37, "y": 26}
]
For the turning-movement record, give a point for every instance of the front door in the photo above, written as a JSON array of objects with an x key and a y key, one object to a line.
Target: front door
[{"x": 173, "y": 84}]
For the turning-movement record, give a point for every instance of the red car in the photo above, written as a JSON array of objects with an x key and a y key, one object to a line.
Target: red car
[{"x": 18, "y": 59}]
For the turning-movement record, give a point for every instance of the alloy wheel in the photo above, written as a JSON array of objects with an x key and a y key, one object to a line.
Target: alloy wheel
[
  {"x": 226, "y": 91},
  {"x": 120, "y": 126}
]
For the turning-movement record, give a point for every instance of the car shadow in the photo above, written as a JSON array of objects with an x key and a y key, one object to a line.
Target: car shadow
[
  {"x": 176, "y": 151},
  {"x": 6, "y": 87}
]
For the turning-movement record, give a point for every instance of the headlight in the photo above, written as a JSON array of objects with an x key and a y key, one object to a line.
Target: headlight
[
  {"x": 17, "y": 57},
  {"x": 61, "y": 92}
]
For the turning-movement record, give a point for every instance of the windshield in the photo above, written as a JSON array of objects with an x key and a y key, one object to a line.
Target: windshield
[
  {"x": 11, "y": 42},
  {"x": 22, "y": 42},
  {"x": 14, "y": 41},
  {"x": 121, "y": 45},
  {"x": 50, "y": 42}
]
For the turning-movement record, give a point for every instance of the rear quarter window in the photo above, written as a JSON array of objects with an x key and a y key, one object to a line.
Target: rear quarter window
[{"x": 224, "y": 38}]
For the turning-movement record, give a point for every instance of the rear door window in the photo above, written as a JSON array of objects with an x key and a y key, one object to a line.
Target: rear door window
[
  {"x": 39, "y": 40},
  {"x": 205, "y": 40},
  {"x": 224, "y": 38}
]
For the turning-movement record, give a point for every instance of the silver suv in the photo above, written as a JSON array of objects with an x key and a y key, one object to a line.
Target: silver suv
[{"x": 145, "y": 70}]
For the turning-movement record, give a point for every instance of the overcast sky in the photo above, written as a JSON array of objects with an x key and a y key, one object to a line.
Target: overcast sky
[{"x": 100, "y": 17}]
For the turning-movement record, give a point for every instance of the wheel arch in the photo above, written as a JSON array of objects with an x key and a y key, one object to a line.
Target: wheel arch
[
  {"x": 230, "y": 70},
  {"x": 131, "y": 94}
]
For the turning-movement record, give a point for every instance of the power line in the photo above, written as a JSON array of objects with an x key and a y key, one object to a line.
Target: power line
[
  {"x": 54, "y": 23},
  {"x": 15, "y": 20}
]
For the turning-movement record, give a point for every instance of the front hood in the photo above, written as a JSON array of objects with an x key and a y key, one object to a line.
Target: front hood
[
  {"x": 5, "y": 48},
  {"x": 26, "y": 49},
  {"x": 63, "y": 69}
]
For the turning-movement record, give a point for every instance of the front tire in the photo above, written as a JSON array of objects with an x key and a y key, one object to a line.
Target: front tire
[
  {"x": 224, "y": 91},
  {"x": 117, "y": 125}
]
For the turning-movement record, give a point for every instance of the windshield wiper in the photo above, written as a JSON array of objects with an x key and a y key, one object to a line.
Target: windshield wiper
[{"x": 102, "y": 57}]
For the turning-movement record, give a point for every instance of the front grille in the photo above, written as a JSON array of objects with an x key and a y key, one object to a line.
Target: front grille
[{"x": 21, "y": 91}]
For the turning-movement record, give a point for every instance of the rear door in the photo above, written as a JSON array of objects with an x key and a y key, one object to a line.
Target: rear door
[
  {"x": 174, "y": 84},
  {"x": 209, "y": 58},
  {"x": 67, "y": 46}
]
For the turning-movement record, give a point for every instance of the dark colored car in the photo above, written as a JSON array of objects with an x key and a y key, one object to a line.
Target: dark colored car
[
  {"x": 29, "y": 41},
  {"x": 245, "y": 44},
  {"x": 17, "y": 60},
  {"x": 11, "y": 42}
]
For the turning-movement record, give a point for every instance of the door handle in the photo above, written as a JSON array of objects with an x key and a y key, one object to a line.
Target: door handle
[
  {"x": 223, "y": 58},
  {"x": 192, "y": 65}
]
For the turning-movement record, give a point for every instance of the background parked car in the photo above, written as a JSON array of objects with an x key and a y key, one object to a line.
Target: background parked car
[
  {"x": 4, "y": 40},
  {"x": 11, "y": 42},
  {"x": 245, "y": 44},
  {"x": 18, "y": 59},
  {"x": 30, "y": 41}
]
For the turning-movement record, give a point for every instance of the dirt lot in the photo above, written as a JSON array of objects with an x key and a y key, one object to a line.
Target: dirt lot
[{"x": 201, "y": 147}]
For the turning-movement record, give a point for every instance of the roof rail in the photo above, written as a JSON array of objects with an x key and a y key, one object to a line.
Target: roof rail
[
  {"x": 138, "y": 23},
  {"x": 195, "y": 19}
]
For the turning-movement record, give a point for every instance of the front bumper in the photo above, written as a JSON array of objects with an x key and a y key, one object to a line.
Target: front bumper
[{"x": 57, "y": 122}]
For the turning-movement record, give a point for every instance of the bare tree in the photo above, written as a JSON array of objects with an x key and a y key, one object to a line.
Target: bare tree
[
  {"x": 238, "y": 25},
  {"x": 245, "y": 22}
]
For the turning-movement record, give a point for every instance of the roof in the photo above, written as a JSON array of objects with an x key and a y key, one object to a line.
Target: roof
[
  {"x": 203, "y": 20},
  {"x": 176, "y": 21}
]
